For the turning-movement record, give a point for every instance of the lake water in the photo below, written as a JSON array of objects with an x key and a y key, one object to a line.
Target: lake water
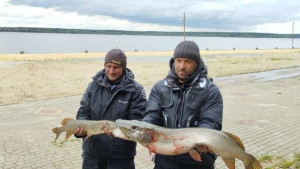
[{"x": 13, "y": 43}]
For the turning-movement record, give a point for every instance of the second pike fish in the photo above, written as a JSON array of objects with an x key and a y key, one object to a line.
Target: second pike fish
[
  {"x": 92, "y": 127},
  {"x": 178, "y": 141}
]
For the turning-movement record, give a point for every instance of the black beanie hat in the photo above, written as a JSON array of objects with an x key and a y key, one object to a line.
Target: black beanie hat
[
  {"x": 187, "y": 49},
  {"x": 116, "y": 56}
]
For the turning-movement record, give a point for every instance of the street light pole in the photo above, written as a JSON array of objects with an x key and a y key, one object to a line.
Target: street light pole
[
  {"x": 293, "y": 36},
  {"x": 183, "y": 25}
]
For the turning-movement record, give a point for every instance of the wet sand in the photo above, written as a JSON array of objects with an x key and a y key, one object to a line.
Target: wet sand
[{"x": 29, "y": 77}]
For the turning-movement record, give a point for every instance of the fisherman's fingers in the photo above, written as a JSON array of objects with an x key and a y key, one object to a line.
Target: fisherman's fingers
[
  {"x": 108, "y": 131},
  {"x": 203, "y": 149},
  {"x": 80, "y": 132}
]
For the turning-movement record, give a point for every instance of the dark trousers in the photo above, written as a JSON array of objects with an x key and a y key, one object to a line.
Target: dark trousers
[
  {"x": 179, "y": 162},
  {"x": 107, "y": 163}
]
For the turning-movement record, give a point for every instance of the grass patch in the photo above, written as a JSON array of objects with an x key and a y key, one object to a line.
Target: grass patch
[
  {"x": 278, "y": 59},
  {"x": 275, "y": 59},
  {"x": 265, "y": 158},
  {"x": 277, "y": 162}
]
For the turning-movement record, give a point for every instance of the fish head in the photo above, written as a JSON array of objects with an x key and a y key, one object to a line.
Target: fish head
[
  {"x": 136, "y": 130},
  {"x": 108, "y": 126}
]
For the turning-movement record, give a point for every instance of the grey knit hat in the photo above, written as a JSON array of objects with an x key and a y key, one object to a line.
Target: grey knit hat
[
  {"x": 116, "y": 56},
  {"x": 187, "y": 49}
]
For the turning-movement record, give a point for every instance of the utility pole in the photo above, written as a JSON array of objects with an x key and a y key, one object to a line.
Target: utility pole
[
  {"x": 293, "y": 35},
  {"x": 183, "y": 25}
]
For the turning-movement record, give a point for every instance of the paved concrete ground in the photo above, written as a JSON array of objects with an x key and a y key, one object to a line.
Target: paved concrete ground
[{"x": 260, "y": 108}]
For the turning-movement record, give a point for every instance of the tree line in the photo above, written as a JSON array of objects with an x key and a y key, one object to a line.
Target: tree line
[{"x": 150, "y": 33}]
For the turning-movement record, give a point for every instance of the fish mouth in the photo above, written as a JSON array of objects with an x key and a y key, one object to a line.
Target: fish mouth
[
  {"x": 128, "y": 133},
  {"x": 135, "y": 130},
  {"x": 125, "y": 127}
]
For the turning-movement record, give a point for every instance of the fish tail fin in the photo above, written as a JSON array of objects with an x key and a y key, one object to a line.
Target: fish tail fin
[
  {"x": 56, "y": 131},
  {"x": 237, "y": 139},
  {"x": 230, "y": 162},
  {"x": 65, "y": 121},
  {"x": 253, "y": 164}
]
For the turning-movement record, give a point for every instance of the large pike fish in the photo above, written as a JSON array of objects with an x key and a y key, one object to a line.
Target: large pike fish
[
  {"x": 167, "y": 141},
  {"x": 92, "y": 127}
]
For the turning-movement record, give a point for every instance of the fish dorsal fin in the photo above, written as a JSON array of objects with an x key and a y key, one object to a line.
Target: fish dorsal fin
[
  {"x": 237, "y": 139},
  {"x": 65, "y": 121}
]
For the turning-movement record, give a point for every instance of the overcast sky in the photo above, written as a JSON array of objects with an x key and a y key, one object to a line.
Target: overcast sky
[{"x": 267, "y": 16}]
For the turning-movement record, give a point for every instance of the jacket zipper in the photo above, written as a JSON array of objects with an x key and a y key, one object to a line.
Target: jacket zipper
[{"x": 184, "y": 95}]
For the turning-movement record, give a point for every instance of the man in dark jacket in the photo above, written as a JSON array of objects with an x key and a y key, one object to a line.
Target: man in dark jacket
[
  {"x": 185, "y": 98},
  {"x": 113, "y": 94}
]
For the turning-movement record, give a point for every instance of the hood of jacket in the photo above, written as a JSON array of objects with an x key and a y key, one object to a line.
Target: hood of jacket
[{"x": 200, "y": 72}]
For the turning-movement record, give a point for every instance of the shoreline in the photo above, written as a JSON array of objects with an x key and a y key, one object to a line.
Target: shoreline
[
  {"x": 30, "y": 77},
  {"x": 62, "y": 56}
]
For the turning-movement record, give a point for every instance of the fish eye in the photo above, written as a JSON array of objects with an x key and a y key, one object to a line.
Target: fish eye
[{"x": 134, "y": 127}]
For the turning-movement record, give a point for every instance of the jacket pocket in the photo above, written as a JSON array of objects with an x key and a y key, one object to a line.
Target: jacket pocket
[
  {"x": 167, "y": 105},
  {"x": 195, "y": 98},
  {"x": 166, "y": 99}
]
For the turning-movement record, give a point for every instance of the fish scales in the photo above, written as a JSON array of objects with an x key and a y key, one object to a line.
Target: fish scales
[
  {"x": 92, "y": 127},
  {"x": 185, "y": 140}
]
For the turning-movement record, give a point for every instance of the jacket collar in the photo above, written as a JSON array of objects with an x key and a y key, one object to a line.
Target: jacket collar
[{"x": 172, "y": 79}]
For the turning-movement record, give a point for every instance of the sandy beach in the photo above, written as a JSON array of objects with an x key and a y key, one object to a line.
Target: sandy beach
[{"x": 29, "y": 77}]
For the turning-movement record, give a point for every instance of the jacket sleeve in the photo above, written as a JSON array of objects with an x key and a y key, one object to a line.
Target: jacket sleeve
[
  {"x": 211, "y": 114},
  {"x": 83, "y": 112},
  {"x": 153, "y": 112},
  {"x": 138, "y": 104}
]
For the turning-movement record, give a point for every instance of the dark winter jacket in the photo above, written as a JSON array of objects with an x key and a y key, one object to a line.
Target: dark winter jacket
[
  {"x": 102, "y": 101},
  {"x": 195, "y": 103}
]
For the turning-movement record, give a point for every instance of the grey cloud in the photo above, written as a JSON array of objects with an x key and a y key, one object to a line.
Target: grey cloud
[{"x": 225, "y": 14}]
